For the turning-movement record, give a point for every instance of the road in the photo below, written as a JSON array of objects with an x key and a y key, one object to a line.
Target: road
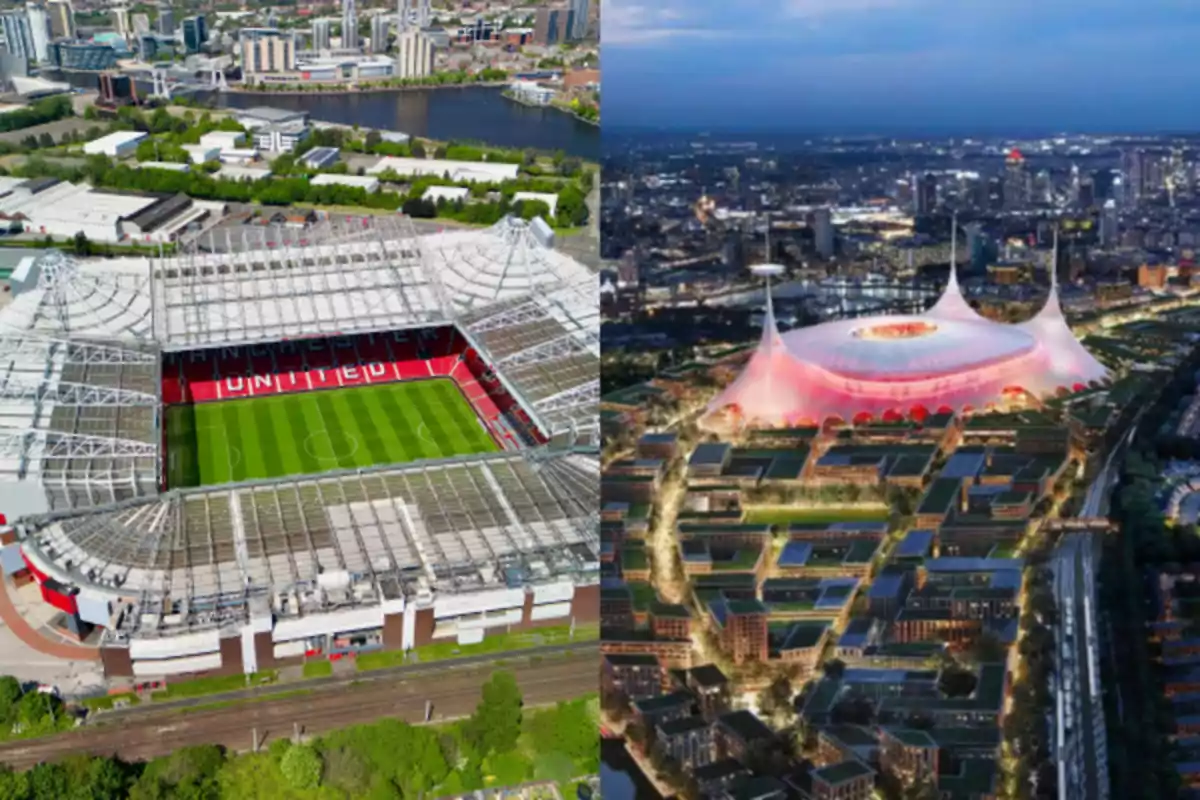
[{"x": 452, "y": 694}]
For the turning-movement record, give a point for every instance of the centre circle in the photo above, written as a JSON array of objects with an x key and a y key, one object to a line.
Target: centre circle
[{"x": 326, "y": 446}]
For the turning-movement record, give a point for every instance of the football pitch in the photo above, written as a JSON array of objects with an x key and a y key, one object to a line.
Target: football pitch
[{"x": 299, "y": 434}]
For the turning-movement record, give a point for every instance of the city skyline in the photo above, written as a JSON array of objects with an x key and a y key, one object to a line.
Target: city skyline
[{"x": 900, "y": 66}]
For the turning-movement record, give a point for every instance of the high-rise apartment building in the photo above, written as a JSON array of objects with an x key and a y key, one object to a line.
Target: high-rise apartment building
[
  {"x": 39, "y": 30},
  {"x": 552, "y": 25},
  {"x": 1109, "y": 223},
  {"x": 322, "y": 34},
  {"x": 579, "y": 21},
  {"x": 267, "y": 50},
  {"x": 349, "y": 25},
  {"x": 414, "y": 54},
  {"x": 166, "y": 20},
  {"x": 62, "y": 19},
  {"x": 925, "y": 194},
  {"x": 380, "y": 26},
  {"x": 822, "y": 225},
  {"x": 120, "y": 16},
  {"x": 1016, "y": 181},
  {"x": 18, "y": 39},
  {"x": 195, "y": 34}
]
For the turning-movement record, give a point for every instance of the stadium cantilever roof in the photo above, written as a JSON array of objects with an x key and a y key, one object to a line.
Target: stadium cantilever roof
[
  {"x": 81, "y": 341},
  {"x": 336, "y": 541},
  {"x": 895, "y": 366}
]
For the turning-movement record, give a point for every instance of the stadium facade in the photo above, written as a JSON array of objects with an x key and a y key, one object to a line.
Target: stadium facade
[
  {"x": 895, "y": 367},
  {"x": 248, "y": 576}
]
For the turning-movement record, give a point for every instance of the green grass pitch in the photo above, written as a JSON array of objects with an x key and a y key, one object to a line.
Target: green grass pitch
[{"x": 300, "y": 434}]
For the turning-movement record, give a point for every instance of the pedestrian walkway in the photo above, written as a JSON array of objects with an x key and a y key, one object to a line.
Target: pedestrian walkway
[{"x": 34, "y": 640}]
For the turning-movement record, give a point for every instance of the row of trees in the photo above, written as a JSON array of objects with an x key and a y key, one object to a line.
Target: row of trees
[
  {"x": 1140, "y": 719},
  {"x": 500, "y": 744},
  {"x": 1027, "y": 726},
  {"x": 282, "y": 191},
  {"x": 37, "y": 113},
  {"x": 457, "y": 78}
]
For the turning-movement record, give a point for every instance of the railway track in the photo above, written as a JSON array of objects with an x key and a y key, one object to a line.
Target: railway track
[{"x": 452, "y": 694}]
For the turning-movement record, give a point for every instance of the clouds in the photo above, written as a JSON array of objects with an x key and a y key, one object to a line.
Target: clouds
[
  {"x": 883, "y": 63},
  {"x": 663, "y": 23}
]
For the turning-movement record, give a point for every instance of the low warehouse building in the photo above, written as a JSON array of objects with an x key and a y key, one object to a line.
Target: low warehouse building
[
  {"x": 121, "y": 144},
  {"x": 366, "y": 182}
]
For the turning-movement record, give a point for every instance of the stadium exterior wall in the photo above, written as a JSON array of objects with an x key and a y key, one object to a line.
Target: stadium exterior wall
[{"x": 255, "y": 651}]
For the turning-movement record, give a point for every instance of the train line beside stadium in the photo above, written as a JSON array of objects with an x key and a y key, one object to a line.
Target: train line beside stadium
[
  {"x": 452, "y": 694},
  {"x": 383, "y": 675}
]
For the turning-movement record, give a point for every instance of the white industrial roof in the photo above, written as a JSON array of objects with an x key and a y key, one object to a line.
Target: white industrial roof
[
  {"x": 71, "y": 203},
  {"x": 360, "y": 181},
  {"x": 234, "y": 172},
  {"x": 449, "y": 193},
  {"x": 549, "y": 199},
  {"x": 473, "y": 171},
  {"x": 114, "y": 139}
]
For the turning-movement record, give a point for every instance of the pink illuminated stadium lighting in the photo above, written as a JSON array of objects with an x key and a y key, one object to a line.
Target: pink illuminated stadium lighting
[{"x": 906, "y": 366}]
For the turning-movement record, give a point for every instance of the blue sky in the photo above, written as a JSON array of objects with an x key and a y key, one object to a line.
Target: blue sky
[{"x": 902, "y": 65}]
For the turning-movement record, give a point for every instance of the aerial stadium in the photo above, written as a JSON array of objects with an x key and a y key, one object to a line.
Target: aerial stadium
[
  {"x": 896, "y": 367},
  {"x": 303, "y": 444}
]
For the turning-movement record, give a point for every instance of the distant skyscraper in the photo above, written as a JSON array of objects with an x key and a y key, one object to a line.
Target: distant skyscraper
[
  {"x": 380, "y": 23},
  {"x": 322, "y": 31},
  {"x": 1133, "y": 174},
  {"x": 39, "y": 30},
  {"x": 733, "y": 252},
  {"x": 267, "y": 50},
  {"x": 925, "y": 194},
  {"x": 822, "y": 222},
  {"x": 579, "y": 22},
  {"x": 1016, "y": 182},
  {"x": 195, "y": 34},
  {"x": 424, "y": 14},
  {"x": 414, "y": 54},
  {"x": 140, "y": 23},
  {"x": 18, "y": 39},
  {"x": 1087, "y": 193},
  {"x": 166, "y": 20},
  {"x": 404, "y": 18},
  {"x": 1109, "y": 224},
  {"x": 62, "y": 19},
  {"x": 349, "y": 25}
]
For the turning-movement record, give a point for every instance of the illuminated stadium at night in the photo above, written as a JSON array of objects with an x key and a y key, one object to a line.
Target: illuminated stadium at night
[
  {"x": 314, "y": 444},
  {"x": 897, "y": 367}
]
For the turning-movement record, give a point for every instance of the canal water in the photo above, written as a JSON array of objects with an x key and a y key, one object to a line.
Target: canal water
[
  {"x": 479, "y": 113},
  {"x": 620, "y": 777}
]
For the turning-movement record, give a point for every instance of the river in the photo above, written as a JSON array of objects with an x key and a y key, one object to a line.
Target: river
[
  {"x": 620, "y": 777},
  {"x": 474, "y": 112}
]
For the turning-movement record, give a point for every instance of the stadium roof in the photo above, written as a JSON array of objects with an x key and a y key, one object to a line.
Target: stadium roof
[
  {"x": 309, "y": 544},
  {"x": 80, "y": 343}
]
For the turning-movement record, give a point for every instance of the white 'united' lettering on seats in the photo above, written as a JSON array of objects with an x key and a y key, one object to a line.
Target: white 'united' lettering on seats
[
  {"x": 234, "y": 383},
  {"x": 264, "y": 382},
  {"x": 350, "y": 372},
  {"x": 376, "y": 370}
]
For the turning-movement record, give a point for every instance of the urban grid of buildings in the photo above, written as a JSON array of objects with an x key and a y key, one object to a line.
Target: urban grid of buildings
[{"x": 862, "y": 420}]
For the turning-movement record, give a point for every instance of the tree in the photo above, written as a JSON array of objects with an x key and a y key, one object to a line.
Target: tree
[
  {"x": 496, "y": 724},
  {"x": 956, "y": 682},
  {"x": 81, "y": 246},
  {"x": 301, "y": 766},
  {"x": 417, "y": 149},
  {"x": 372, "y": 140}
]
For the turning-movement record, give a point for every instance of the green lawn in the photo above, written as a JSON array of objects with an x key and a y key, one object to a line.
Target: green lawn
[
  {"x": 299, "y": 434},
  {"x": 493, "y": 643},
  {"x": 816, "y": 516}
]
